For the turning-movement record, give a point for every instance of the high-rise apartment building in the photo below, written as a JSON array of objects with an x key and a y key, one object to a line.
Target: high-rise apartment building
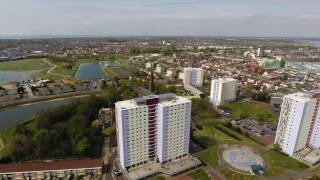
[
  {"x": 223, "y": 90},
  {"x": 299, "y": 122},
  {"x": 193, "y": 76},
  {"x": 153, "y": 128},
  {"x": 261, "y": 52},
  {"x": 314, "y": 135}
]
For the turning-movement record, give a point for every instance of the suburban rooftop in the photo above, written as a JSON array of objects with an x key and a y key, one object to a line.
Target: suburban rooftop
[{"x": 50, "y": 166}]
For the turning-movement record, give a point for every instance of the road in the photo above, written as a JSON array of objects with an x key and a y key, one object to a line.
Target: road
[{"x": 109, "y": 156}]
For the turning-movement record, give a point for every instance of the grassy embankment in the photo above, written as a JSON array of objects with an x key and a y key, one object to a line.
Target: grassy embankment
[{"x": 280, "y": 163}]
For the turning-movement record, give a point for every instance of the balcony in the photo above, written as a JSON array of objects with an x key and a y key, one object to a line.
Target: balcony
[
  {"x": 152, "y": 124},
  {"x": 152, "y": 150}
]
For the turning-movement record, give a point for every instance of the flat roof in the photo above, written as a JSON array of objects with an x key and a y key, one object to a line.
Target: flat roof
[
  {"x": 164, "y": 99},
  {"x": 224, "y": 80},
  {"x": 301, "y": 97},
  {"x": 50, "y": 166}
]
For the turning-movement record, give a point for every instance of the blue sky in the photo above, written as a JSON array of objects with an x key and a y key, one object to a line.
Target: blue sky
[{"x": 161, "y": 17}]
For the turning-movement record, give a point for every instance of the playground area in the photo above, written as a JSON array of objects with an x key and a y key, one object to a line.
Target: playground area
[{"x": 243, "y": 159}]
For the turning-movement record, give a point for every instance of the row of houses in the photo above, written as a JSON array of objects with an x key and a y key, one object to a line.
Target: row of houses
[{"x": 92, "y": 169}]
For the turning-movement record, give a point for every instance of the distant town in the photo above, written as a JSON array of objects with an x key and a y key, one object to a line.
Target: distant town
[{"x": 160, "y": 108}]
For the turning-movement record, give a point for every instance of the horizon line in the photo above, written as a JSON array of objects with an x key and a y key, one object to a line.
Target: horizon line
[{"x": 16, "y": 37}]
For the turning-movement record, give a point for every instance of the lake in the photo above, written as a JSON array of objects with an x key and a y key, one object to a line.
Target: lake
[
  {"x": 11, "y": 116},
  {"x": 89, "y": 71},
  {"x": 10, "y": 76}
]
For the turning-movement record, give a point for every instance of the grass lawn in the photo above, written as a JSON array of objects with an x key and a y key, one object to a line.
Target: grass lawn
[
  {"x": 158, "y": 178},
  {"x": 235, "y": 176},
  {"x": 259, "y": 111},
  {"x": 24, "y": 65},
  {"x": 280, "y": 163},
  {"x": 210, "y": 156},
  {"x": 199, "y": 174},
  {"x": 209, "y": 135}
]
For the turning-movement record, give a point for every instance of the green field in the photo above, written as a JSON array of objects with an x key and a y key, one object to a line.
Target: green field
[
  {"x": 235, "y": 176},
  {"x": 211, "y": 156},
  {"x": 24, "y": 65},
  {"x": 199, "y": 174},
  {"x": 158, "y": 178},
  {"x": 210, "y": 135},
  {"x": 280, "y": 163},
  {"x": 257, "y": 110}
]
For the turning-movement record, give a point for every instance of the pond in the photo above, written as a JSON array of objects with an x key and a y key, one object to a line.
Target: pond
[
  {"x": 89, "y": 71},
  {"x": 10, "y": 76},
  {"x": 11, "y": 116}
]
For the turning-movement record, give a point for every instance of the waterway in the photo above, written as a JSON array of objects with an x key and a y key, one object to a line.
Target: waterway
[
  {"x": 90, "y": 71},
  {"x": 11, "y": 116}
]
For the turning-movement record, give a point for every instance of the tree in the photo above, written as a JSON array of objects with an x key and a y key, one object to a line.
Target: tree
[
  {"x": 82, "y": 146},
  {"x": 41, "y": 139}
]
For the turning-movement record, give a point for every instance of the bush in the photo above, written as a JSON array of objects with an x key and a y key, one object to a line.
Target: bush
[{"x": 226, "y": 131}]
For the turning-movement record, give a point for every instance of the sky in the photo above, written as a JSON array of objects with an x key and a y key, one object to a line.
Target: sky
[{"x": 262, "y": 18}]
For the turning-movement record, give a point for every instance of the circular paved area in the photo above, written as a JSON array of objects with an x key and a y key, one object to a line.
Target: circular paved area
[{"x": 241, "y": 159}]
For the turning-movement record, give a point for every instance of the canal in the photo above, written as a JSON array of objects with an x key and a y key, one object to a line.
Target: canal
[{"x": 11, "y": 116}]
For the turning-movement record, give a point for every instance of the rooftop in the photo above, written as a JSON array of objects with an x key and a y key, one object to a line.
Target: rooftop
[
  {"x": 164, "y": 99},
  {"x": 301, "y": 97},
  {"x": 224, "y": 79},
  {"x": 49, "y": 166}
]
